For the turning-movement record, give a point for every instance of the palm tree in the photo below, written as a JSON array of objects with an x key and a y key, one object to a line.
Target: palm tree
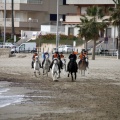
[
  {"x": 115, "y": 20},
  {"x": 83, "y": 30},
  {"x": 90, "y": 27},
  {"x": 95, "y": 26}
]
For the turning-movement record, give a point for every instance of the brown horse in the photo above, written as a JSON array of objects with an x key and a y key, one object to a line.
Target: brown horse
[{"x": 82, "y": 66}]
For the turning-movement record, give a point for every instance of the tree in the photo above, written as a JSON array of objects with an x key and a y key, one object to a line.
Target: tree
[
  {"x": 115, "y": 20},
  {"x": 83, "y": 30},
  {"x": 90, "y": 27}
]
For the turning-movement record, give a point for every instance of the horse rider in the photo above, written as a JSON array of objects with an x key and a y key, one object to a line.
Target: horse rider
[
  {"x": 33, "y": 59},
  {"x": 73, "y": 57},
  {"x": 56, "y": 56},
  {"x": 86, "y": 57},
  {"x": 82, "y": 56},
  {"x": 61, "y": 57},
  {"x": 45, "y": 55}
]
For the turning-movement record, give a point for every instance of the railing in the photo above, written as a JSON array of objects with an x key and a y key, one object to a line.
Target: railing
[{"x": 24, "y": 1}]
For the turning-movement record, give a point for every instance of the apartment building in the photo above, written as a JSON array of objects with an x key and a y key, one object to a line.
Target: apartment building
[
  {"x": 31, "y": 14},
  {"x": 73, "y": 19}
]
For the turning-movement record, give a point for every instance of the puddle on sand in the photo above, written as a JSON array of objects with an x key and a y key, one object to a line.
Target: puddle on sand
[
  {"x": 16, "y": 95},
  {"x": 6, "y": 95}
]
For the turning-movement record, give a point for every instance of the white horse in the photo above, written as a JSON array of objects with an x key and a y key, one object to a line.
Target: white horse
[
  {"x": 64, "y": 64},
  {"x": 55, "y": 70},
  {"x": 37, "y": 65},
  {"x": 46, "y": 66}
]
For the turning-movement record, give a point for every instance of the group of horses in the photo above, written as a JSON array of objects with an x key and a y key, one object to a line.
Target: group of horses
[{"x": 55, "y": 71}]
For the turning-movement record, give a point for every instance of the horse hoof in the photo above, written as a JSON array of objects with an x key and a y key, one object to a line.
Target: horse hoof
[
  {"x": 55, "y": 80},
  {"x": 58, "y": 77},
  {"x": 68, "y": 75}
]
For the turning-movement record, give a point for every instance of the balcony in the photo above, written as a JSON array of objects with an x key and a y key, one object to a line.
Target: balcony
[
  {"x": 89, "y": 2},
  {"x": 23, "y": 1},
  {"x": 75, "y": 19},
  {"x": 19, "y": 23},
  {"x": 25, "y": 5}
]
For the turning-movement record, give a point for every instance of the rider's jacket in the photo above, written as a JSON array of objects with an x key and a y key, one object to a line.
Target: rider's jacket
[
  {"x": 61, "y": 56},
  {"x": 44, "y": 55},
  {"x": 34, "y": 56},
  {"x": 56, "y": 56},
  {"x": 81, "y": 56},
  {"x": 72, "y": 56}
]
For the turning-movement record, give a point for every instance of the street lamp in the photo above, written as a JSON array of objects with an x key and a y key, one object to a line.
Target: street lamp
[
  {"x": 61, "y": 20},
  {"x": 60, "y": 32},
  {"x": 30, "y": 19}
]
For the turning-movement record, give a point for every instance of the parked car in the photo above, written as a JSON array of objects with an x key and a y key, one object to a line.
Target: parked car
[
  {"x": 64, "y": 49},
  {"x": 9, "y": 45},
  {"x": 1, "y": 44},
  {"x": 25, "y": 47}
]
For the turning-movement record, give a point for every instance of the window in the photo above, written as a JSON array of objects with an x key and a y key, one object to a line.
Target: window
[
  {"x": 63, "y": 17},
  {"x": 70, "y": 31},
  {"x": 64, "y": 2},
  {"x": 108, "y": 32},
  {"x": 53, "y": 17},
  {"x": 83, "y": 10},
  {"x": 35, "y": 1}
]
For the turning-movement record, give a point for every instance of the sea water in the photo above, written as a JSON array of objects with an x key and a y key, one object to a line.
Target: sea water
[{"x": 8, "y": 98}]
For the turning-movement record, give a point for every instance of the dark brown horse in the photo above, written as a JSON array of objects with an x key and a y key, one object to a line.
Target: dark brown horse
[{"x": 72, "y": 69}]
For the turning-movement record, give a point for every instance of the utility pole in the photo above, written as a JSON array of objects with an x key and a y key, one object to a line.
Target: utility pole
[
  {"x": 12, "y": 35},
  {"x": 57, "y": 25},
  {"x": 4, "y": 23}
]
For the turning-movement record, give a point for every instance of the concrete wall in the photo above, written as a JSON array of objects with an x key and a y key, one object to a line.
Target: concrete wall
[{"x": 5, "y": 52}]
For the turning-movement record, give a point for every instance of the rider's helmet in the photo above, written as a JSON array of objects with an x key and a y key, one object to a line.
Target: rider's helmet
[{"x": 56, "y": 52}]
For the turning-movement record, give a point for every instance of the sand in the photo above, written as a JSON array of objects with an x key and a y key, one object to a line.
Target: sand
[{"x": 95, "y": 96}]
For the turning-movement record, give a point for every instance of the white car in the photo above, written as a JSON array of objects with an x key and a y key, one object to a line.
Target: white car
[
  {"x": 64, "y": 49},
  {"x": 9, "y": 45}
]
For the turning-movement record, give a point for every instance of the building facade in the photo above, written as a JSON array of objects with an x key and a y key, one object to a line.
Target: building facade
[
  {"x": 73, "y": 19},
  {"x": 31, "y": 14}
]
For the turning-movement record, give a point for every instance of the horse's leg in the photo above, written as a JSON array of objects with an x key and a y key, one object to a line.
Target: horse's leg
[
  {"x": 68, "y": 74},
  {"x": 65, "y": 67},
  {"x": 39, "y": 72},
  {"x": 47, "y": 71},
  {"x": 72, "y": 76},
  {"x": 81, "y": 72},
  {"x": 43, "y": 70},
  {"x": 58, "y": 74},
  {"x": 75, "y": 75}
]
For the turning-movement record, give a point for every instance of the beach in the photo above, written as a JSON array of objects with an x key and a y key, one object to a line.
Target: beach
[{"x": 95, "y": 96}]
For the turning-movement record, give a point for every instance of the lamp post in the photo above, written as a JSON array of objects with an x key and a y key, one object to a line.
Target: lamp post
[
  {"x": 61, "y": 20},
  {"x": 30, "y": 19},
  {"x": 57, "y": 25},
  {"x": 114, "y": 36}
]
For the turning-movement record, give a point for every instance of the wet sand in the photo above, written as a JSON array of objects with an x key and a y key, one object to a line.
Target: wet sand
[{"x": 95, "y": 96}]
